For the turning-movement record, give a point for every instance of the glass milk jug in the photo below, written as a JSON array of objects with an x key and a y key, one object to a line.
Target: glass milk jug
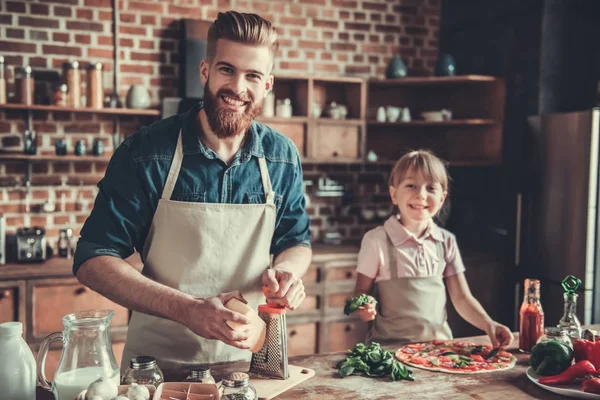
[{"x": 86, "y": 356}]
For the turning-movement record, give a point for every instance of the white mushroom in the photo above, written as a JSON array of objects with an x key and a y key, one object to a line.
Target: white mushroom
[
  {"x": 103, "y": 389},
  {"x": 138, "y": 392}
]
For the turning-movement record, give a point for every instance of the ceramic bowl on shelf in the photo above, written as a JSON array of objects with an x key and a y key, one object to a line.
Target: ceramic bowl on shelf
[{"x": 437, "y": 116}]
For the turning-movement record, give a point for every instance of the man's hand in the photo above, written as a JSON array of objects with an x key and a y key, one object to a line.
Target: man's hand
[
  {"x": 207, "y": 317},
  {"x": 285, "y": 288}
]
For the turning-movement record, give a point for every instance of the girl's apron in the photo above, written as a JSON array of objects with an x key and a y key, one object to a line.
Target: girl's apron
[
  {"x": 410, "y": 309},
  {"x": 203, "y": 249}
]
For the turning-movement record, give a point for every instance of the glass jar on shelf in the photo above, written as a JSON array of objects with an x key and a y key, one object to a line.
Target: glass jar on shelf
[
  {"x": 236, "y": 386},
  {"x": 143, "y": 370},
  {"x": 556, "y": 333},
  {"x": 200, "y": 375},
  {"x": 531, "y": 325}
]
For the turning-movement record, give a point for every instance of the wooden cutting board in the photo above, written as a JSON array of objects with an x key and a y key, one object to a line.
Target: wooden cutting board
[{"x": 270, "y": 388}]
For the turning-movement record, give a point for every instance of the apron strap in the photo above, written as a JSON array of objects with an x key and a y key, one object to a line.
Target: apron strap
[
  {"x": 266, "y": 181},
  {"x": 392, "y": 258},
  {"x": 174, "y": 170}
]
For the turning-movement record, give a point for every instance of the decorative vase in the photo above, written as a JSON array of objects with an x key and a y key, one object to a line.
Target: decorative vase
[
  {"x": 138, "y": 97},
  {"x": 445, "y": 66},
  {"x": 396, "y": 68}
]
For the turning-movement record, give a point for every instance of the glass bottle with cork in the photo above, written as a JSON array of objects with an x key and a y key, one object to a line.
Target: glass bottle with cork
[
  {"x": 569, "y": 321},
  {"x": 531, "y": 315}
]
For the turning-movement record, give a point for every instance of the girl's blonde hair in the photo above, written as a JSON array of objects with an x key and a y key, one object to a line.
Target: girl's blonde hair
[
  {"x": 423, "y": 162},
  {"x": 242, "y": 28}
]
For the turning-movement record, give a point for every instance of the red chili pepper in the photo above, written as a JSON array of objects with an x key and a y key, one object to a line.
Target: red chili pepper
[
  {"x": 591, "y": 385},
  {"x": 587, "y": 350},
  {"x": 578, "y": 370}
]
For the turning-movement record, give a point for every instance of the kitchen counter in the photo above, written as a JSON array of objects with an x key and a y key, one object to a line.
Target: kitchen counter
[
  {"x": 327, "y": 385},
  {"x": 57, "y": 267}
]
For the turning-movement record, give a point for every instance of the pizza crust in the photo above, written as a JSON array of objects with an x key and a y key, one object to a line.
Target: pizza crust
[{"x": 461, "y": 372}]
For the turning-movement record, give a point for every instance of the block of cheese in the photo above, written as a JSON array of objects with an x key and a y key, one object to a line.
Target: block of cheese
[{"x": 257, "y": 327}]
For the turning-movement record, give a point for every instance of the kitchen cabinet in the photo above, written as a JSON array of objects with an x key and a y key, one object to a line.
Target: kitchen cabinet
[
  {"x": 12, "y": 301},
  {"x": 473, "y": 136},
  {"x": 317, "y": 136},
  {"x": 52, "y": 299}
]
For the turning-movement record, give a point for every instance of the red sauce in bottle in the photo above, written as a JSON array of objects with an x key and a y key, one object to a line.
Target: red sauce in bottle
[
  {"x": 531, "y": 316},
  {"x": 532, "y": 327}
]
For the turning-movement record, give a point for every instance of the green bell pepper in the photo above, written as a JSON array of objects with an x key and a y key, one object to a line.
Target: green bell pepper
[{"x": 550, "y": 357}]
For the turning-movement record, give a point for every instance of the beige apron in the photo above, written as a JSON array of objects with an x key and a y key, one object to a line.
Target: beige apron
[
  {"x": 410, "y": 309},
  {"x": 203, "y": 249}
]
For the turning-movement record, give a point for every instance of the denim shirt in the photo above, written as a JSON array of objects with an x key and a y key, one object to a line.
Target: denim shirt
[{"x": 136, "y": 174}]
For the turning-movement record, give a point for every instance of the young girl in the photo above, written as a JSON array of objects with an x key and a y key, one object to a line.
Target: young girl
[{"x": 404, "y": 263}]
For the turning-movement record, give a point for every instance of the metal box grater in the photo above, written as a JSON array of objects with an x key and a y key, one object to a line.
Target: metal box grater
[{"x": 272, "y": 359}]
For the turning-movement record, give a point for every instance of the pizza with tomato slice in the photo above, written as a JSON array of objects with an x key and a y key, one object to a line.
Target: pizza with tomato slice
[{"x": 458, "y": 357}]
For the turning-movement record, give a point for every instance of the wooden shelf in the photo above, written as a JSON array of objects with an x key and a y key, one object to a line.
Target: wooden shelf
[
  {"x": 339, "y": 122},
  {"x": 454, "y": 122},
  {"x": 432, "y": 80},
  {"x": 55, "y": 266},
  {"x": 109, "y": 111},
  {"x": 53, "y": 157},
  {"x": 267, "y": 120}
]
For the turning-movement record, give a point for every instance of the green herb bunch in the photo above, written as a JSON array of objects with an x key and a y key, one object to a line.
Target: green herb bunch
[
  {"x": 375, "y": 362},
  {"x": 353, "y": 303}
]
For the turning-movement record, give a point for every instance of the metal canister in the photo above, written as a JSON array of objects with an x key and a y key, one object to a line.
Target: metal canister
[
  {"x": 95, "y": 91},
  {"x": 25, "y": 85},
  {"x": 2, "y": 81},
  {"x": 72, "y": 78}
]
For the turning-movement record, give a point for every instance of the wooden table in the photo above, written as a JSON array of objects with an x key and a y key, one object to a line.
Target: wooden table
[{"x": 512, "y": 384}]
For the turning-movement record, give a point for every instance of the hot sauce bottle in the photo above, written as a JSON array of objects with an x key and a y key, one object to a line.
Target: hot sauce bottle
[{"x": 531, "y": 316}]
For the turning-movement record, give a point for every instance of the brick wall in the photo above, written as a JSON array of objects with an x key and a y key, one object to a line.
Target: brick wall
[{"x": 339, "y": 37}]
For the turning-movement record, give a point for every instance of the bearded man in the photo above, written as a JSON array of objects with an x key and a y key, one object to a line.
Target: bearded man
[{"x": 206, "y": 198}]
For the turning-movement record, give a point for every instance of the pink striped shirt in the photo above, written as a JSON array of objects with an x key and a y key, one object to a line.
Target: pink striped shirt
[{"x": 416, "y": 257}]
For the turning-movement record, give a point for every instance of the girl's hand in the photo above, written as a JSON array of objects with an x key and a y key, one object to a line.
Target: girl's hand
[
  {"x": 500, "y": 335},
  {"x": 367, "y": 312}
]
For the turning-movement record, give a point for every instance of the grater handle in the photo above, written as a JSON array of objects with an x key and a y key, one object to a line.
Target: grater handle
[{"x": 270, "y": 308}]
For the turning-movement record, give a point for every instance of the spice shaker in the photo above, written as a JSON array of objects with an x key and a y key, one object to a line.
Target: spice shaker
[
  {"x": 95, "y": 92},
  {"x": 143, "y": 370},
  {"x": 60, "y": 95},
  {"x": 236, "y": 386},
  {"x": 25, "y": 85},
  {"x": 2, "y": 81},
  {"x": 65, "y": 243},
  {"x": 200, "y": 375},
  {"x": 72, "y": 78}
]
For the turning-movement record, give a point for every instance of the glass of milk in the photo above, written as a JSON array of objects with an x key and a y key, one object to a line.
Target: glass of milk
[{"x": 86, "y": 356}]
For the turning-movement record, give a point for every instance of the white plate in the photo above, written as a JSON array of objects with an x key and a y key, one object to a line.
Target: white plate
[{"x": 567, "y": 390}]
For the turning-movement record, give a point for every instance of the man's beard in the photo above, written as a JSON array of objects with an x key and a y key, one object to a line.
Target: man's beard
[{"x": 227, "y": 123}]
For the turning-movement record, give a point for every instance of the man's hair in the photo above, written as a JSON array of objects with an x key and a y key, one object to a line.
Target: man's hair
[{"x": 242, "y": 28}]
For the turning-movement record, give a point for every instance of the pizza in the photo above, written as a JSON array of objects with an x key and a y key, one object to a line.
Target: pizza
[{"x": 458, "y": 357}]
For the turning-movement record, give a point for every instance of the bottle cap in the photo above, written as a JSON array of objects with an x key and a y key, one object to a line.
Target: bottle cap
[
  {"x": 142, "y": 362},
  {"x": 11, "y": 329},
  {"x": 236, "y": 379}
]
